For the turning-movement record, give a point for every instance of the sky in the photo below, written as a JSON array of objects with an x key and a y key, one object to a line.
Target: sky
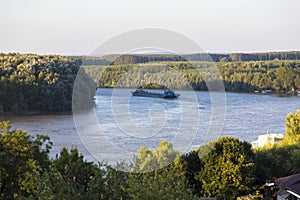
[{"x": 77, "y": 27}]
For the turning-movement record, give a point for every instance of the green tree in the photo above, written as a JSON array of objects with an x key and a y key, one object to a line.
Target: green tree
[
  {"x": 21, "y": 158},
  {"x": 228, "y": 169},
  {"x": 293, "y": 125},
  {"x": 160, "y": 157},
  {"x": 117, "y": 182},
  {"x": 192, "y": 165},
  {"x": 284, "y": 78},
  {"x": 75, "y": 170},
  {"x": 98, "y": 184},
  {"x": 165, "y": 181}
]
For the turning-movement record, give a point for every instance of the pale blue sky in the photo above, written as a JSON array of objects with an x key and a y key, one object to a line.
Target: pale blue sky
[{"x": 73, "y": 27}]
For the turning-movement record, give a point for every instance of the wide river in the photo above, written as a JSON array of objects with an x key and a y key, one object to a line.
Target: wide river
[{"x": 128, "y": 123}]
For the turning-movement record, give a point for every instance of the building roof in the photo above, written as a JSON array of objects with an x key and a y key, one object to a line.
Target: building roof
[
  {"x": 291, "y": 183},
  {"x": 267, "y": 138}
]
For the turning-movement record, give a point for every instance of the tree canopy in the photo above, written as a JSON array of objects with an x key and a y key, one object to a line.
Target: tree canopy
[
  {"x": 223, "y": 168},
  {"x": 31, "y": 82},
  {"x": 293, "y": 124},
  {"x": 22, "y": 156},
  {"x": 237, "y": 76}
]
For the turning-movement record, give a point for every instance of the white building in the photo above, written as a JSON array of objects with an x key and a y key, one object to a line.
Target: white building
[{"x": 267, "y": 138}]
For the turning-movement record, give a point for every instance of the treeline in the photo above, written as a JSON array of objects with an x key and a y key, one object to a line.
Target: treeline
[
  {"x": 237, "y": 76},
  {"x": 250, "y": 76},
  {"x": 225, "y": 168},
  {"x": 36, "y": 82},
  {"x": 45, "y": 82},
  {"x": 90, "y": 60},
  {"x": 116, "y": 59}
]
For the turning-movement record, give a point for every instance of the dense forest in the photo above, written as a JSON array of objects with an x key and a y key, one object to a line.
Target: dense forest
[
  {"x": 237, "y": 76},
  {"x": 225, "y": 168},
  {"x": 36, "y": 83},
  {"x": 116, "y": 59}
]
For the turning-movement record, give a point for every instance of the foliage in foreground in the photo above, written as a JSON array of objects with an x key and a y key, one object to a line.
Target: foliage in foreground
[
  {"x": 22, "y": 157},
  {"x": 222, "y": 169},
  {"x": 163, "y": 172},
  {"x": 225, "y": 169},
  {"x": 27, "y": 172},
  {"x": 282, "y": 158}
]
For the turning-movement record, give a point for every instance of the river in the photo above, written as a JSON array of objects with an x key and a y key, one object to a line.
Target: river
[{"x": 131, "y": 122}]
